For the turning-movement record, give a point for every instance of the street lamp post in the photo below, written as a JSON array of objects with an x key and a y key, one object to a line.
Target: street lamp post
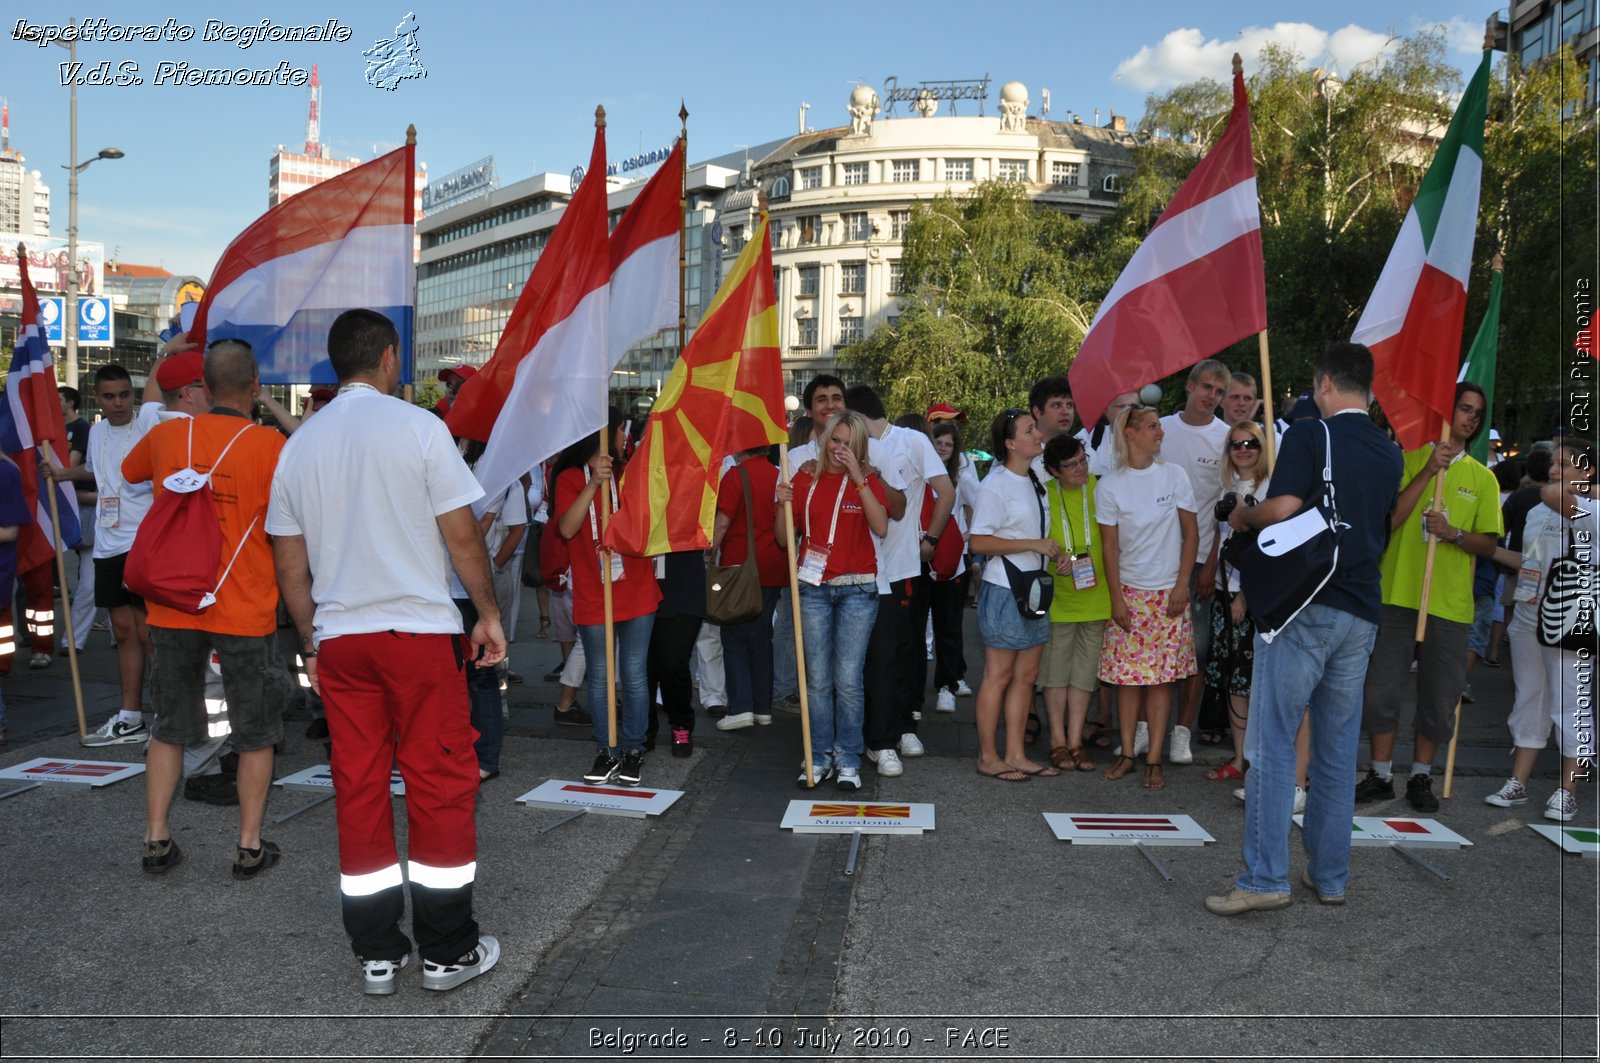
[{"x": 69, "y": 327}]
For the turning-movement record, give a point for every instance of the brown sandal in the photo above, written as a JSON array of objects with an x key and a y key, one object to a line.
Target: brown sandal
[
  {"x": 1154, "y": 777},
  {"x": 1061, "y": 757},
  {"x": 1119, "y": 767},
  {"x": 1079, "y": 759}
]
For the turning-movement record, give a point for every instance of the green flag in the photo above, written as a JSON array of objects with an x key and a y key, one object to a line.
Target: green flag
[{"x": 1479, "y": 366}]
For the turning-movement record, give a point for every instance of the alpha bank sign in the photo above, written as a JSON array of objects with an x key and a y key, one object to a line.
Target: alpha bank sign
[
  {"x": 629, "y": 165},
  {"x": 465, "y": 184}
]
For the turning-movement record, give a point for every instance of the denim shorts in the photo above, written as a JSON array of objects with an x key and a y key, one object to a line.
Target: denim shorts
[{"x": 1002, "y": 625}]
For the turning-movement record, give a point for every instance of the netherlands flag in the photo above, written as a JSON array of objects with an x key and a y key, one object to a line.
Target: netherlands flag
[
  {"x": 29, "y": 416},
  {"x": 339, "y": 245}
]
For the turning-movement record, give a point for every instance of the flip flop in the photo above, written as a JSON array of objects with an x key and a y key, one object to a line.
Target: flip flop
[
  {"x": 1154, "y": 777},
  {"x": 1046, "y": 772},
  {"x": 1006, "y": 775},
  {"x": 1226, "y": 773}
]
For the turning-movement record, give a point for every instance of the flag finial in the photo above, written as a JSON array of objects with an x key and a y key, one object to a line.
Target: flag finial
[
  {"x": 22, "y": 251},
  {"x": 599, "y": 117},
  {"x": 1238, "y": 64},
  {"x": 1488, "y": 36},
  {"x": 411, "y": 136},
  {"x": 1499, "y": 263},
  {"x": 683, "y": 112}
]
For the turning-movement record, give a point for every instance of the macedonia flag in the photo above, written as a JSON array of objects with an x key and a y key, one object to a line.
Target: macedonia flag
[{"x": 724, "y": 395}]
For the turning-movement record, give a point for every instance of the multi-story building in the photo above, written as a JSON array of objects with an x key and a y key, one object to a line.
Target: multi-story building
[
  {"x": 840, "y": 201},
  {"x": 24, "y": 197},
  {"x": 1538, "y": 29}
]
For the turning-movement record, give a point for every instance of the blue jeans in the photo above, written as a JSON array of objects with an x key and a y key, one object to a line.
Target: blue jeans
[
  {"x": 483, "y": 699},
  {"x": 747, "y": 657},
  {"x": 633, "y": 683},
  {"x": 837, "y": 624},
  {"x": 1319, "y": 660},
  {"x": 785, "y": 676}
]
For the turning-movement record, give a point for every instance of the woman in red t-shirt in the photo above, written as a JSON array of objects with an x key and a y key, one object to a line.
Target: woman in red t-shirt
[
  {"x": 581, "y": 473},
  {"x": 839, "y": 509},
  {"x": 747, "y": 647}
]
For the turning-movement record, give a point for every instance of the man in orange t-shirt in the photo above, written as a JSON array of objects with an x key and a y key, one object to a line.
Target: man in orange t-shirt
[{"x": 240, "y": 625}]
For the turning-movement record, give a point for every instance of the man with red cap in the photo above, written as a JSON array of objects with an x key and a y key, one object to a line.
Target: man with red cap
[{"x": 452, "y": 377}]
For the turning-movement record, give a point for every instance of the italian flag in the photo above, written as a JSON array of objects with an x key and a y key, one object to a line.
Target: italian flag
[{"x": 1414, "y": 318}]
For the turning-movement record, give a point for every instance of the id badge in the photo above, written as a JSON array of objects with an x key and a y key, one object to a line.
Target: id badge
[
  {"x": 812, "y": 564},
  {"x": 109, "y": 511},
  {"x": 1082, "y": 572},
  {"x": 1527, "y": 585},
  {"x": 616, "y": 566}
]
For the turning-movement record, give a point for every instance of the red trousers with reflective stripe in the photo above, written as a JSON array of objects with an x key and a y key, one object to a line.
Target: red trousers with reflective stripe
[
  {"x": 39, "y": 589},
  {"x": 399, "y": 698}
]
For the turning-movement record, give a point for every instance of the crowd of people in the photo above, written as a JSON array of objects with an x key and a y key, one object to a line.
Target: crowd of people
[{"x": 1104, "y": 564}]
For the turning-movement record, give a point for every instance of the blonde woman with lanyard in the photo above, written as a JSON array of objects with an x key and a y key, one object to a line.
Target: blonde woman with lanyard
[
  {"x": 841, "y": 506},
  {"x": 1006, "y": 525},
  {"x": 1081, "y": 606},
  {"x": 1146, "y": 512}
]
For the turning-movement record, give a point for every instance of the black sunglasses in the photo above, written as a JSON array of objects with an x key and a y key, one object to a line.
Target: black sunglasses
[{"x": 1244, "y": 444}]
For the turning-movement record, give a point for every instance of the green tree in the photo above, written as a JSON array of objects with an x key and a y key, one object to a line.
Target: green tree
[
  {"x": 1538, "y": 208},
  {"x": 427, "y": 394},
  {"x": 994, "y": 299}
]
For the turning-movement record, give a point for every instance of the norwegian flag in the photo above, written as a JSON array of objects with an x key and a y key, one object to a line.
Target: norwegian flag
[{"x": 29, "y": 416}]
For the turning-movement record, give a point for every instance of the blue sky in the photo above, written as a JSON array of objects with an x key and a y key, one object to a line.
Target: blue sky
[{"x": 520, "y": 82}]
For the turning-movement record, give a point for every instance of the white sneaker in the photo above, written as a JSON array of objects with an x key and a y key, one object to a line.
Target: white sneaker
[
  {"x": 116, "y": 733},
  {"x": 377, "y": 976},
  {"x": 1239, "y": 793},
  {"x": 441, "y": 976},
  {"x": 1141, "y": 739},
  {"x": 764, "y": 721},
  {"x": 911, "y": 746},
  {"x": 1179, "y": 752},
  {"x": 1299, "y": 800},
  {"x": 946, "y": 701},
  {"x": 887, "y": 760},
  {"x": 1511, "y": 793},
  {"x": 738, "y": 721},
  {"x": 1562, "y": 807},
  {"x": 962, "y": 690},
  {"x": 850, "y": 778}
]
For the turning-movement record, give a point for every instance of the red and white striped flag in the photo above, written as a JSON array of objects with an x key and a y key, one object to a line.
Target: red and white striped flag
[{"x": 1195, "y": 285}]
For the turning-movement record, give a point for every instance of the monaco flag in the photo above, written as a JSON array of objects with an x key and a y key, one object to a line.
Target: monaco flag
[
  {"x": 342, "y": 244},
  {"x": 30, "y": 415},
  {"x": 588, "y": 299},
  {"x": 1195, "y": 285},
  {"x": 1413, "y": 320}
]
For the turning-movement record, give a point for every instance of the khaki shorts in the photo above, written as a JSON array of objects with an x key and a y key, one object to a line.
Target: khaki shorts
[{"x": 1072, "y": 658}]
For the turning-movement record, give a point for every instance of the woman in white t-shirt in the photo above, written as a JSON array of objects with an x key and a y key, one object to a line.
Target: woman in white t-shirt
[
  {"x": 1554, "y": 686},
  {"x": 946, "y": 598},
  {"x": 1146, "y": 512},
  {"x": 1009, "y": 527},
  {"x": 1246, "y": 474}
]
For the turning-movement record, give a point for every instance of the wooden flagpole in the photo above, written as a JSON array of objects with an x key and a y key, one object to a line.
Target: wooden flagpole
[
  {"x": 1433, "y": 546},
  {"x": 1270, "y": 435},
  {"x": 66, "y": 594},
  {"x": 799, "y": 631},
  {"x": 605, "y": 522}
]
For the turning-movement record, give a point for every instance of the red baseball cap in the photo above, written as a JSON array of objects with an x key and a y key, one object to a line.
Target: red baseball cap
[
  {"x": 323, "y": 392},
  {"x": 943, "y": 411},
  {"x": 460, "y": 372},
  {"x": 181, "y": 370}
]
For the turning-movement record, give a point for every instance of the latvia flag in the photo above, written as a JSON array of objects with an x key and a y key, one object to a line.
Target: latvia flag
[
  {"x": 588, "y": 299},
  {"x": 1195, "y": 285},
  {"x": 1414, "y": 318}
]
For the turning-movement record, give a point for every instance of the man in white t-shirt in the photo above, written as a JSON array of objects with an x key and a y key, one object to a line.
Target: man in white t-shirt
[
  {"x": 1055, "y": 412},
  {"x": 371, "y": 506},
  {"x": 1194, "y": 441},
  {"x": 896, "y": 668}
]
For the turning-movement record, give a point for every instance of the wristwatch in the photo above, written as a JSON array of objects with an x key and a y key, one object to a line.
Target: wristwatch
[
  {"x": 931, "y": 538},
  {"x": 1459, "y": 537}
]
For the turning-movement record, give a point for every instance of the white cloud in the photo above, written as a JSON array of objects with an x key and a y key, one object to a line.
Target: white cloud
[
  {"x": 1186, "y": 55},
  {"x": 1462, "y": 35}
]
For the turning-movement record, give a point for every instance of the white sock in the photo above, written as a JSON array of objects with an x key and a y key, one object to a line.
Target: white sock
[
  {"x": 1383, "y": 769},
  {"x": 131, "y": 717},
  {"x": 1419, "y": 768}
]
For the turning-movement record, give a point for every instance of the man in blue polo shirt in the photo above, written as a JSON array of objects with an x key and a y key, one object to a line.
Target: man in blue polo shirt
[{"x": 1320, "y": 658}]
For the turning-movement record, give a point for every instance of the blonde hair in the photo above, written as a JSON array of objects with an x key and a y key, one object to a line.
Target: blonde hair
[
  {"x": 1119, "y": 436},
  {"x": 858, "y": 440},
  {"x": 1230, "y": 476}
]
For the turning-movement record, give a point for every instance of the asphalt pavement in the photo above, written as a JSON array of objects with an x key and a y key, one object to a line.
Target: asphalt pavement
[{"x": 711, "y": 933}]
